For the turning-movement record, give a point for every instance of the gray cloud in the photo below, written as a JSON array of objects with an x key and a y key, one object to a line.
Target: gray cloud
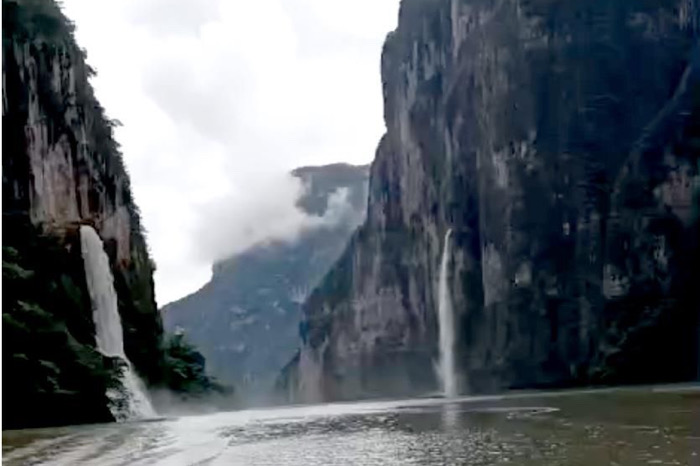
[
  {"x": 251, "y": 215},
  {"x": 220, "y": 99},
  {"x": 341, "y": 211},
  {"x": 258, "y": 215}
]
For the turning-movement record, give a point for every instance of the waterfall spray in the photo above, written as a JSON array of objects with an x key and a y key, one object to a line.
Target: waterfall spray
[
  {"x": 446, "y": 325},
  {"x": 130, "y": 401}
]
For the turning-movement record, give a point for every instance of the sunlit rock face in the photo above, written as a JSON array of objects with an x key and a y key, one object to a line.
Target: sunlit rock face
[
  {"x": 560, "y": 142},
  {"x": 246, "y": 319}
]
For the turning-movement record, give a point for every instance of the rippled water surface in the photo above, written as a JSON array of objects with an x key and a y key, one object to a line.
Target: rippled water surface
[{"x": 614, "y": 427}]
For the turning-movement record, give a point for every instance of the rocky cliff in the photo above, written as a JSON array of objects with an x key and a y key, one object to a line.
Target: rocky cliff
[
  {"x": 62, "y": 168},
  {"x": 246, "y": 319},
  {"x": 560, "y": 141}
]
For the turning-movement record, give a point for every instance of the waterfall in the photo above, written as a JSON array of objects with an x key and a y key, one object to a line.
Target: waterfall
[
  {"x": 130, "y": 400},
  {"x": 447, "y": 326}
]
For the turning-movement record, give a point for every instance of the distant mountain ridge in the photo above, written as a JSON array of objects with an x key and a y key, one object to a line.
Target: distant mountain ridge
[{"x": 245, "y": 320}]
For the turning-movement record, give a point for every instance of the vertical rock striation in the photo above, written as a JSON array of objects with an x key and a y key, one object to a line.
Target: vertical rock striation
[{"x": 560, "y": 141}]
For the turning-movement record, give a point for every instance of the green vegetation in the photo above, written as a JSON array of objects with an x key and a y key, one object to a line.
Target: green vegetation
[
  {"x": 35, "y": 19},
  {"x": 185, "y": 369},
  {"x": 53, "y": 374}
]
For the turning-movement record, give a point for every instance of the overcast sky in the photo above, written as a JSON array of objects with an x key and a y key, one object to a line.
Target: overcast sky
[{"x": 219, "y": 99}]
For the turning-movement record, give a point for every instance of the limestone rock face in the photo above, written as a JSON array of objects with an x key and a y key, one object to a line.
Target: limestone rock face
[
  {"x": 69, "y": 176},
  {"x": 560, "y": 142}
]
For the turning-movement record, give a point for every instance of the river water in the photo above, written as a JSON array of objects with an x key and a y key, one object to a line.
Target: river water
[{"x": 641, "y": 426}]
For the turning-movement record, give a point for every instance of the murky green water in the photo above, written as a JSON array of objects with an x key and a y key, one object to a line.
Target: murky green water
[{"x": 615, "y": 427}]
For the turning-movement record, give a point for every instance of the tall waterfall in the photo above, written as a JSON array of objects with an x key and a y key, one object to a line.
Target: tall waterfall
[
  {"x": 447, "y": 326},
  {"x": 130, "y": 400}
]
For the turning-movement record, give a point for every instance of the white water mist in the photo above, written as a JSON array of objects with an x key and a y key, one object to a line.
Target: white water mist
[
  {"x": 130, "y": 401},
  {"x": 446, "y": 325}
]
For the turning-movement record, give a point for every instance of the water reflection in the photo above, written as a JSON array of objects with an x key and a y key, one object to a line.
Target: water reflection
[
  {"x": 450, "y": 416},
  {"x": 627, "y": 427}
]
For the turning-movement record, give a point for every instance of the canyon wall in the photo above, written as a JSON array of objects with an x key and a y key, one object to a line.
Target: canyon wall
[
  {"x": 63, "y": 168},
  {"x": 560, "y": 141}
]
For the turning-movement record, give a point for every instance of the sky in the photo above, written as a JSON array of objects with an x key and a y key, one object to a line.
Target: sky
[{"x": 219, "y": 100}]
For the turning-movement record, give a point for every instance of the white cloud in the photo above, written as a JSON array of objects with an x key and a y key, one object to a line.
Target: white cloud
[
  {"x": 255, "y": 215},
  {"x": 219, "y": 99},
  {"x": 252, "y": 214}
]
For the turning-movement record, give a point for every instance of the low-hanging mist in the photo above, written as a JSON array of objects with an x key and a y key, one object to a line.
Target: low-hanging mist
[{"x": 263, "y": 212}]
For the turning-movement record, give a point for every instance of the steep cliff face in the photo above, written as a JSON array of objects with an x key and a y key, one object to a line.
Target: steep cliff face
[
  {"x": 560, "y": 143},
  {"x": 62, "y": 168},
  {"x": 246, "y": 319}
]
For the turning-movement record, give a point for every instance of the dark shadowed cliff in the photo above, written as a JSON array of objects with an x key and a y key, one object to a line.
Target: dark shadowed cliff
[
  {"x": 246, "y": 319},
  {"x": 560, "y": 141},
  {"x": 61, "y": 168}
]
